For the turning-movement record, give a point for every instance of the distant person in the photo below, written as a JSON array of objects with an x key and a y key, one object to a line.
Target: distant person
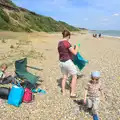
[
  {"x": 66, "y": 51},
  {"x": 100, "y": 35},
  {"x": 95, "y": 35},
  {"x": 92, "y": 93}
]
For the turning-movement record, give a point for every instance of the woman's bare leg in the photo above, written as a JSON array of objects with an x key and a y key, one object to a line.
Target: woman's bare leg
[
  {"x": 64, "y": 83},
  {"x": 73, "y": 85}
]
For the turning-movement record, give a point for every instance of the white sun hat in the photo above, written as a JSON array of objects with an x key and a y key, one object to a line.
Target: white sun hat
[{"x": 95, "y": 74}]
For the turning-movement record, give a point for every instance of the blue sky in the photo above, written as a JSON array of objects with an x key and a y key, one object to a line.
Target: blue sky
[{"x": 91, "y": 14}]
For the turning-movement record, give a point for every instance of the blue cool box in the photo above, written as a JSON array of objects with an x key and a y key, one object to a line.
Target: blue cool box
[{"x": 15, "y": 96}]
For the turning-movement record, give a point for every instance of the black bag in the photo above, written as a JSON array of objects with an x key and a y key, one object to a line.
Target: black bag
[
  {"x": 27, "y": 84},
  {"x": 4, "y": 92}
]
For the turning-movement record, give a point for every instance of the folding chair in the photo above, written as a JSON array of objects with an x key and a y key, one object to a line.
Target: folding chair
[{"x": 22, "y": 73}]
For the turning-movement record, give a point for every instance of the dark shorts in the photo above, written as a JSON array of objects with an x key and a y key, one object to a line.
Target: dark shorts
[{"x": 7, "y": 80}]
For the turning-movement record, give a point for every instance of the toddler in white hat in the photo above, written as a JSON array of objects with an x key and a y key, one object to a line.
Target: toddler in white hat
[
  {"x": 92, "y": 93},
  {"x": 95, "y": 74}
]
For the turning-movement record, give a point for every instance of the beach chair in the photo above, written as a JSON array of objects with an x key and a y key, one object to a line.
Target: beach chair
[
  {"x": 22, "y": 73},
  {"x": 79, "y": 61}
]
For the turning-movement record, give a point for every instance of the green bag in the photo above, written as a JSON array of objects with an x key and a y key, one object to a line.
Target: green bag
[{"x": 79, "y": 61}]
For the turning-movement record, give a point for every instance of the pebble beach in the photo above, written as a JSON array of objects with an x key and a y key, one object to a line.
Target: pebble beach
[{"x": 103, "y": 55}]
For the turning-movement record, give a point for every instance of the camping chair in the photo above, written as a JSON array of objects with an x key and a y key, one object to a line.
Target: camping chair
[{"x": 22, "y": 73}]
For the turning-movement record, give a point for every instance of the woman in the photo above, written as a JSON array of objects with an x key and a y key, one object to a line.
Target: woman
[{"x": 66, "y": 51}]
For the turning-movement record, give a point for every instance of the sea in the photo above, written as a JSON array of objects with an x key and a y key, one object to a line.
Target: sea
[{"x": 111, "y": 33}]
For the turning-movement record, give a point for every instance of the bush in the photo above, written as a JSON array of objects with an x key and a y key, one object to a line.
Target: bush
[
  {"x": 12, "y": 46},
  {"x": 3, "y": 40},
  {"x": 14, "y": 15}
]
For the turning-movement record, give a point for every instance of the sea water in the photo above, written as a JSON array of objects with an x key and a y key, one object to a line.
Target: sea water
[{"x": 114, "y": 33}]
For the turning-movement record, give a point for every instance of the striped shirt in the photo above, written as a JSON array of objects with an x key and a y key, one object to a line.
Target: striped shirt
[{"x": 93, "y": 89}]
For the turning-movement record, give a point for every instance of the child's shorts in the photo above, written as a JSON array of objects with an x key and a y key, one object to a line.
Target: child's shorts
[
  {"x": 68, "y": 67},
  {"x": 94, "y": 104}
]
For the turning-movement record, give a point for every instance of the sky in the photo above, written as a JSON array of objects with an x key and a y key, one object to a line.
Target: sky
[{"x": 90, "y": 14}]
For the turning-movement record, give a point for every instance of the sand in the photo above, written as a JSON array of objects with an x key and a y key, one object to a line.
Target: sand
[{"x": 103, "y": 55}]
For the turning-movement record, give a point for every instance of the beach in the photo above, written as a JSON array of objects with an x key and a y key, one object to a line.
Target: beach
[{"x": 103, "y": 55}]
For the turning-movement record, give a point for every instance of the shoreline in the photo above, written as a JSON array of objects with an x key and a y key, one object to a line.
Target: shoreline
[
  {"x": 110, "y": 36},
  {"x": 105, "y": 35}
]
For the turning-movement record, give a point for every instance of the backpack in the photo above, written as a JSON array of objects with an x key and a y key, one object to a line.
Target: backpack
[{"x": 28, "y": 96}]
